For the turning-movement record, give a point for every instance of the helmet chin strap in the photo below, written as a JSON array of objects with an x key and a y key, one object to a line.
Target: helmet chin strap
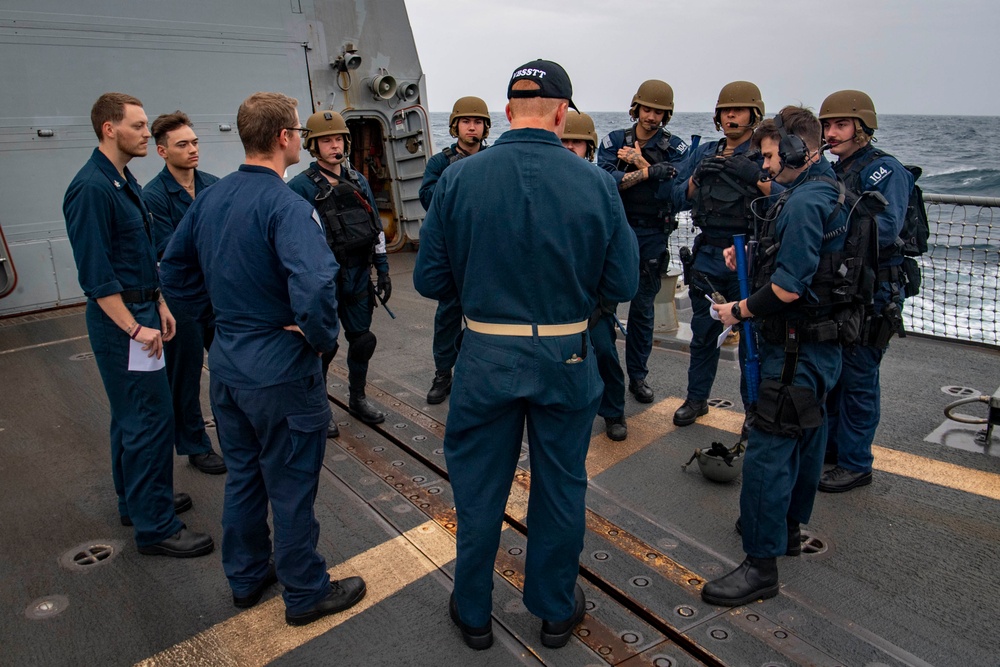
[{"x": 735, "y": 130}]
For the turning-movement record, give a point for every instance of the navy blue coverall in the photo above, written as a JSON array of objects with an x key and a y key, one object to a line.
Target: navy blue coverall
[
  {"x": 781, "y": 473},
  {"x": 109, "y": 228},
  {"x": 564, "y": 239},
  {"x": 448, "y": 317},
  {"x": 652, "y": 239},
  {"x": 255, "y": 250},
  {"x": 855, "y": 403},
  {"x": 184, "y": 354},
  {"x": 354, "y": 297}
]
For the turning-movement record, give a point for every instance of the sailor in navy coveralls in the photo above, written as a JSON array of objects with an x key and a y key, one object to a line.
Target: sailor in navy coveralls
[
  {"x": 528, "y": 236},
  {"x": 724, "y": 184},
  {"x": 168, "y": 200},
  {"x": 109, "y": 228},
  {"x": 644, "y": 159},
  {"x": 255, "y": 250},
  {"x": 470, "y": 124},
  {"x": 329, "y": 141},
  {"x": 849, "y": 124},
  {"x": 798, "y": 366}
]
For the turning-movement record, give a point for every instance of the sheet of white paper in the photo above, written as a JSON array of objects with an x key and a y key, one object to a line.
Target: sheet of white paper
[
  {"x": 722, "y": 336},
  {"x": 138, "y": 359}
]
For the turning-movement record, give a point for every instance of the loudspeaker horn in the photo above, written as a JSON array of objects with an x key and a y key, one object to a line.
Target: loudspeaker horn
[
  {"x": 407, "y": 92},
  {"x": 383, "y": 86}
]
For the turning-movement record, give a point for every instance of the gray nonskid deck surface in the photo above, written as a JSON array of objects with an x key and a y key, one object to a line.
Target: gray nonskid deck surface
[{"x": 910, "y": 574}]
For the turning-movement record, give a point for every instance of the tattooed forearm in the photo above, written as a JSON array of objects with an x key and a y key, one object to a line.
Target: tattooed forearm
[{"x": 632, "y": 178}]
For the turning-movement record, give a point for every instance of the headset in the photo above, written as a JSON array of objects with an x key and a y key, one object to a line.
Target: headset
[{"x": 791, "y": 148}]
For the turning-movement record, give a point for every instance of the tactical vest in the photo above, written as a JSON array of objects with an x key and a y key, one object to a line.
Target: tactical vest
[
  {"x": 844, "y": 282},
  {"x": 454, "y": 156},
  {"x": 642, "y": 208},
  {"x": 721, "y": 205},
  {"x": 350, "y": 223},
  {"x": 916, "y": 228}
]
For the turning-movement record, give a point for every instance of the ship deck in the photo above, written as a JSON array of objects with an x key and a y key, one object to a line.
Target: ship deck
[{"x": 904, "y": 571}]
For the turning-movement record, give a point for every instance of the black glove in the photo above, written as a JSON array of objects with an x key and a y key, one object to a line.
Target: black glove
[
  {"x": 661, "y": 171},
  {"x": 604, "y": 307},
  {"x": 595, "y": 317},
  {"x": 383, "y": 288},
  {"x": 744, "y": 170},
  {"x": 710, "y": 165}
]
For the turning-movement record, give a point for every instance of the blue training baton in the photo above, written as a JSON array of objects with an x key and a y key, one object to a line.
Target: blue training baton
[
  {"x": 751, "y": 364},
  {"x": 621, "y": 327}
]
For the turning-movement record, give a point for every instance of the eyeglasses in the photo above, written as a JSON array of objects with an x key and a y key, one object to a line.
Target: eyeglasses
[{"x": 303, "y": 131}]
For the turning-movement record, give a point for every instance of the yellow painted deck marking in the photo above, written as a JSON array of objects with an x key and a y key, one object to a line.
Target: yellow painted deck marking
[
  {"x": 656, "y": 422},
  {"x": 260, "y": 635},
  {"x": 948, "y": 475},
  {"x": 643, "y": 429},
  {"x": 648, "y": 427}
]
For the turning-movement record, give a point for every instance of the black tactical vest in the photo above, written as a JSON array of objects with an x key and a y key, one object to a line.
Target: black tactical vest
[
  {"x": 844, "y": 281},
  {"x": 350, "y": 223},
  {"x": 721, "y": 205},
  {"x": 916, "y": 228},
  {"x": 454, "y": 155}
]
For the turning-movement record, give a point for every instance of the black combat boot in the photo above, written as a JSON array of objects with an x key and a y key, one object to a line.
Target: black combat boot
[
  {"x": 475, "y": 638},
  {"x": 838, "y": 480},
  {"x": 641, "y": 390},
  {"x": 689, "y": 411},
  {"x": 754, "y": 579},
  {"x": 359, "y": 406},
  {"x": 332, "y": 430},
  {"x": 556, "y": 634},
  {"x": 440, "y": 387},
  {"x": 615, "y": 428}
]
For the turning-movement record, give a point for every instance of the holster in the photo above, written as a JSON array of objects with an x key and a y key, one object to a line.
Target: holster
[
  {"x": 911, "y": 271},
  {"x": 786, "y": 410},
  {"x": 885, "y": 325},
  {"x": 670, "y": 223},
  {"x": 687, "y": 260}
]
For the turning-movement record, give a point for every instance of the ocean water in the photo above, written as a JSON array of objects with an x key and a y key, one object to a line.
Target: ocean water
[{"x": 959, "y": 154}]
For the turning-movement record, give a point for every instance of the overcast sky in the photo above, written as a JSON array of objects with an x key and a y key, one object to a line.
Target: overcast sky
[{"x": 911, "y": 56}]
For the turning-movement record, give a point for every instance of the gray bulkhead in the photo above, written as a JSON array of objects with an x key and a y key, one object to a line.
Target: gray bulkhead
[{"x": 204, "y": 58}]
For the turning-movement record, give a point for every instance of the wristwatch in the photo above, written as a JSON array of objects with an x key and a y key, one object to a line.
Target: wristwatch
[{"x": 736, "y": 312}]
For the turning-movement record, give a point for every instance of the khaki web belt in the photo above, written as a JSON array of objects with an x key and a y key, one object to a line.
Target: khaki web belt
[{"x": 526, "y": 329}]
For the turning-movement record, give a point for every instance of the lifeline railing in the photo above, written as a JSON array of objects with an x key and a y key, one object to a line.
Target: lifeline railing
[{"x": 960, "y": 294}]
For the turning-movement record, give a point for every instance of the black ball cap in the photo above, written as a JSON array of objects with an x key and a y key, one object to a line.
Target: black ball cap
[{"x": 552, "y": 80}]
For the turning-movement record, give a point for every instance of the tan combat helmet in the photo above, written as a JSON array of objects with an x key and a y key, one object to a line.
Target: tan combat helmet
[
  {"x": 581, "y": 126},
  {"x": 654, "y": 94},
  {"x": 325, "y": 123},
  {"x": 850, "y": 104},
  {"x": 719, "y": 463},
  {"x": 469, "y": 107},
  {"x": 740, "y": 94}
]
